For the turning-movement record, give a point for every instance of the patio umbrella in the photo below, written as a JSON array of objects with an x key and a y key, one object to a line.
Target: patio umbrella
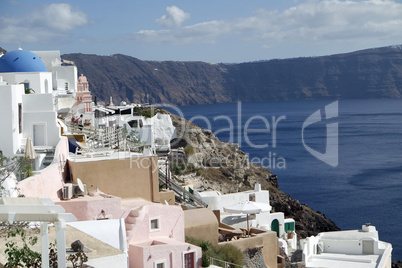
[
  {"x": 248, "y": 207},
  {"x": 29, "y": 150}
]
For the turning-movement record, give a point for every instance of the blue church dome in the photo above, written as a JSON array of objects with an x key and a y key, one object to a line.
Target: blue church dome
[{"x": 21, "y": 61}]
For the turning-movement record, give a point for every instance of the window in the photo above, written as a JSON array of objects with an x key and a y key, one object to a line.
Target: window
[
  {"x": 154, "y": 224},
  {"x": 160, "y": 264},
  {"x": 20, "y": 118},
  {"x": 66, "y": 86},
  {"x": 289, "y": 226}
]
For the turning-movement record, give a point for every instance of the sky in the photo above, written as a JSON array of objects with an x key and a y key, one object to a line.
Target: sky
[{"x": 215, "y": 31}]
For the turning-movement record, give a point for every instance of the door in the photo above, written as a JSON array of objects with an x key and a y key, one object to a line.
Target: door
[
  {"x": 275, "y": 227},
  {"x": 368, "y": 247},
  {"x": 39, "y": 135},
  {"x": 189, "y": 260}
]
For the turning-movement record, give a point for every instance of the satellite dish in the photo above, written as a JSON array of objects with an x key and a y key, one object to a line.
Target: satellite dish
[{"x": 80, "y": 185}]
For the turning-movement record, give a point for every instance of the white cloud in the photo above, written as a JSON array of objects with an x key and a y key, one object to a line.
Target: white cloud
[
  {"x": 174, "y": 17},
  {"x": 59, "y": 17},
  {"x": 311, "y": 21},
  {"x": 41, "y": 24},
  {"x": 206, "y": 32}
]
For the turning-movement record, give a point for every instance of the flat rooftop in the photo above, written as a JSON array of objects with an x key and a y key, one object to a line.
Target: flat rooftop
[
  {"x": 102, "y": 155},
  {"x": 348, "y": 235},
  {"x": 343, "y": 260}
]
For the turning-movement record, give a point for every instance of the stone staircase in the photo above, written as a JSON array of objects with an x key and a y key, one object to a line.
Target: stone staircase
[{"x": 130, "y": 220}]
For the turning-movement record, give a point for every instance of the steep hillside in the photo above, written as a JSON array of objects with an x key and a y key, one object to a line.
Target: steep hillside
[
  {"x": 130, "y": 79},
  {"x": 372, "y": 73},
  {"x": 221, "y": 166}
]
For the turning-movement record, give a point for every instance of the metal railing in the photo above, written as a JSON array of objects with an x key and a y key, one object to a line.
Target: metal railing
[
  {"x": 180, "y": 192},
  {"x": 99, "y": 137},
  {"x": 213, "y": 261}
]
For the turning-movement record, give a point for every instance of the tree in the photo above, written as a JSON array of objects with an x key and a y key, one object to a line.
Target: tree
[{"x": 24, "y": 256}]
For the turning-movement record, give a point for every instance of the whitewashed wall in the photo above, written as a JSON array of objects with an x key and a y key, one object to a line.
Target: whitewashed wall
[
  {"x": 217, "y": 202},
  {"x": 38, "y": 110},
  {"x": 10, "y": 138},
  {"x": 63, "y": 75},
  {"x": 40, "y": 82}
]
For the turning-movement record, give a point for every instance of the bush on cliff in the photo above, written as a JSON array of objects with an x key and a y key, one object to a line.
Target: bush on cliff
[{"x": 227, "y": 252}]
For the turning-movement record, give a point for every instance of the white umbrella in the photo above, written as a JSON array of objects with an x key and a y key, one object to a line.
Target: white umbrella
[
  {"x": 29, "y": 149},
  {"x": 248, "y": 207}
]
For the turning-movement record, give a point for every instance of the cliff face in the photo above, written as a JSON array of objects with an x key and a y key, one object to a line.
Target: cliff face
[
  {"x": 372, "y": 73},
  {"x": 130, "y": 79},
  {"x": 223, "y": 167}
]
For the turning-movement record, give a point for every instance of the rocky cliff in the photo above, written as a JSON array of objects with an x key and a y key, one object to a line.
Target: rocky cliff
[
  {"x": 130, "y": 79},
  {"x": 371, "y": 73},
  {"x": 220, "y": 166}
]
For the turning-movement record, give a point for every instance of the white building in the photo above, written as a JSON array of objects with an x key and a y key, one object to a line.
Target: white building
[
  {"x": 64, "y": 73},
  {"x": 26, "y": 68},
  {"x": 26, "y": 106},
  {"x": 347, "y": 249},
  {"x": 285, "y": 228}
]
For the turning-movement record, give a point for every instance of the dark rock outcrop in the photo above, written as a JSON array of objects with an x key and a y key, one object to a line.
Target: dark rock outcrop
[
  {"x": 371, "y": 73},
  {"x": 77, "y": 246}
]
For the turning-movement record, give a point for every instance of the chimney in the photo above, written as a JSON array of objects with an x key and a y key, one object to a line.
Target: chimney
[{"x": 257, "y": 187}]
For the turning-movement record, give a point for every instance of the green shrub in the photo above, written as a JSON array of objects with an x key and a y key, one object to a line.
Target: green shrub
[
  {"x": 25, "y": 167},
  {"x": 177, "y": 168},
  {"x": 192, "y": 240},
  {"x": 205, "y": 261},
  {"x": 200, "y": 172},
  {"x": 231, "y": 254},
  {"x": 182, "y": 168},
  {"x": 147, "y": 113},
  {"x": 225, "y": 252},
  {"x": 189, "y": 150},
  {"x": 205, "y": 245},
  {"x": 24, "y": 257}
]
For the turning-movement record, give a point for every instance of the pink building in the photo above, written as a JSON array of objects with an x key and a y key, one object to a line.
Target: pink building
[
  {"x": 154, "y": 232},
  {"x": 155, "y": 235},
  {"x": 83, "y": 94}
]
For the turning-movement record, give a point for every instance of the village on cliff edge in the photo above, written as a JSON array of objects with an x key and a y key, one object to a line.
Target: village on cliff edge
[{"x": 101, "y": 174}]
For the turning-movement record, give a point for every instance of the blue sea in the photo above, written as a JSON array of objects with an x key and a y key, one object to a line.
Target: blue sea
[{"x": 355, "y": 174}]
